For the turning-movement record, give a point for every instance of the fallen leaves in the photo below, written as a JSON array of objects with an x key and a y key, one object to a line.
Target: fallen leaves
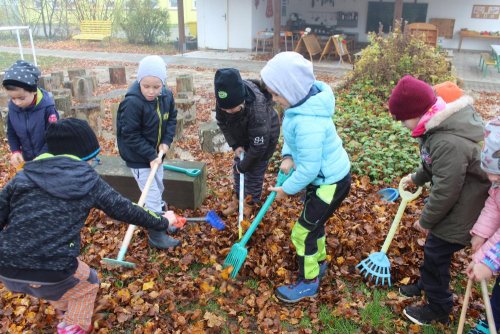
[{"x": 188, "y": 290}]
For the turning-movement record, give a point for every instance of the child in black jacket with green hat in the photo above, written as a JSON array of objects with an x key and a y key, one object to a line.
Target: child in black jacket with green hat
[{"x": 42, "y": 211}]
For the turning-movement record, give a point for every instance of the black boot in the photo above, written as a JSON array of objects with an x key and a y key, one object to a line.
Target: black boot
[{"x": 161, "y": 240}]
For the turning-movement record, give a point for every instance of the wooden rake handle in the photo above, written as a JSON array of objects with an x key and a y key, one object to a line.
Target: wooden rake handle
[
  {"x": 487, "y": 306},
  {"x": 142, "y": 200},
  {"x": 464, "y": 307}
]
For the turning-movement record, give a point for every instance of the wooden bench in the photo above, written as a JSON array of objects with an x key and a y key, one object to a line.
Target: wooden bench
[{"x": 94, "y": 30}]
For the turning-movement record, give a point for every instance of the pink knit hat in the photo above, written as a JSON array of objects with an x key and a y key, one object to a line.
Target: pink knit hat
[{"x": 411, "y": 98}]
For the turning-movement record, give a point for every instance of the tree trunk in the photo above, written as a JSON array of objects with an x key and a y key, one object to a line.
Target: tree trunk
[
  {"x": 185, "y": 84},
  {"x": 57, "y": 79},
  {"x": 83, "y": 88},
  {"x": 76, "y": 72},
  {"x": 45, "y": 82},
  {"x": 90, "y": 112},
  {"x": 117, "y": 75},
  {"x": 63, "y": 105}
]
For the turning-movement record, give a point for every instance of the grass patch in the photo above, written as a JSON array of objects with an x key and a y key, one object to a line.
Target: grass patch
[
  {"x": 377, "y": 315},
  {"x": 335, "y": 325},
  {"x": 194, "y": 269},
  {"x": 7, "y": 59},
  {"x": 252, "y": 284}
]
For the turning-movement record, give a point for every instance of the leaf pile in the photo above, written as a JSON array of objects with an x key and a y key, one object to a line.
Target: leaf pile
[{"x": 188, "y": 291}]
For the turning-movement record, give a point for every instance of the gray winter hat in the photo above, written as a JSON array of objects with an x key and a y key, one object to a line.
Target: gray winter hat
[
  {"x": 22, "y": 74},
  {"x": 152, "y": 66}
]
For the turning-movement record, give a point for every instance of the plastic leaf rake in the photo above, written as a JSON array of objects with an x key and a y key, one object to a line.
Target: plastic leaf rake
[
  {"x": 120, "y": 260},
  {"x": 377, "y": 265},
  {"x": 238, "y": 253},
  {"x": 188, "y": 171}
]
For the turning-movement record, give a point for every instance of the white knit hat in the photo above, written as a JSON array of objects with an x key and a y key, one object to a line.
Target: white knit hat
[
  {"x": 490, "y": 155},
  {"x": 152, "y": 66},
  {"x": 290, "y": 75}
]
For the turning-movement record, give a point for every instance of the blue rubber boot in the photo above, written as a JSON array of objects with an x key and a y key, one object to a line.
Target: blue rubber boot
[{"x": 298, "y": 291}]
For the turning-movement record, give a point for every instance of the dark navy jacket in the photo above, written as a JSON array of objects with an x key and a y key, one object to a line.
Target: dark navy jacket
[
  {"x": 44, "y": 207},
  {"x": 26, "y": 126},
  {"x": 143, "y": 125}
]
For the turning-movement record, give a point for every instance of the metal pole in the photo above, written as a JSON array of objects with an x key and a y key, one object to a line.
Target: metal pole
[
  {"x": 19, "y": 44},
  {"x": 32, "y": 46}
]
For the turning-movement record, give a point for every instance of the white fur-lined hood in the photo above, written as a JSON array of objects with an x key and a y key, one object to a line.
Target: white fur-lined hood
[{"x": 451, "y": 108}]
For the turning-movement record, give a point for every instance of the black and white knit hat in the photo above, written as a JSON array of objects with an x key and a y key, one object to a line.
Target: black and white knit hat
[
  {"x": 72, "y": 136},
  {"x": 22, "y": 74}
]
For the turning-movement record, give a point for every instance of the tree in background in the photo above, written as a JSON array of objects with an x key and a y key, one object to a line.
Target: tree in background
[
  {"x": 95, "y": 9},
  {"x": 144, "y": 22}
]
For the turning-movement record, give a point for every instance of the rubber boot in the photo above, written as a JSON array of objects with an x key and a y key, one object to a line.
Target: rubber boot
[
  {"x": 232, "y": 207},
  {"x": 159, "y": 239},
  {"x": 248, "y": 209}
]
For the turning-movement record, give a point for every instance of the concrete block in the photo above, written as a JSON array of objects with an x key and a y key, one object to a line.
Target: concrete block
[{"x": 181, "y": 191}]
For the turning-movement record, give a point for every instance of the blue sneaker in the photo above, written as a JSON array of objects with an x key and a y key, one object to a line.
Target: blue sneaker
[
  {"x": 481, "y": 328},
  {"x": 300, "y": 290}
]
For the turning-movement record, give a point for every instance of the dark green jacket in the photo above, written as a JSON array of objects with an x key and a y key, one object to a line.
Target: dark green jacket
[{"x": 450, "y": 150}]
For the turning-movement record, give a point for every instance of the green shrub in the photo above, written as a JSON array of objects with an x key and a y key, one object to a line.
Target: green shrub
[
  {"x": 388, "y": 58},
  {"x": 144, "y": 22},
  {"x": 377, "y": 145}
]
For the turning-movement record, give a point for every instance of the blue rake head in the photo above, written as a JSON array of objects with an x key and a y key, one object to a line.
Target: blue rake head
[
  {"x": 376, "y": 265},
  {"x": 389, "y": 194},
  {"x": 214, "y": 220}
]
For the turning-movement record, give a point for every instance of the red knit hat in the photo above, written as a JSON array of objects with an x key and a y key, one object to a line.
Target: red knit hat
[
  {"x": 411, "y": 98},
  {"x": 448, "y": 91}
]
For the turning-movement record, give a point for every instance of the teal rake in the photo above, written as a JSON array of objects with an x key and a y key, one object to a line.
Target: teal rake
[{"x": 238, "y": 253}]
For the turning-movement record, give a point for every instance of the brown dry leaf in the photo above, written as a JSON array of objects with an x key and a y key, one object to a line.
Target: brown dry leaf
[
  {"x": 213, "y": 320},
  {"x": 392, "y": 295},
  {"x": 405, "y": 281},
  {"x": 226, "y": 272},
  {"x": 206, "y": 288}
]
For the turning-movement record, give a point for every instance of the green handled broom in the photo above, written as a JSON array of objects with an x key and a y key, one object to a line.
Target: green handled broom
[
  {"x": 119, "y": 261},
  {"x": 377, "y": 264},
  {"x": 238, "y": 253}
]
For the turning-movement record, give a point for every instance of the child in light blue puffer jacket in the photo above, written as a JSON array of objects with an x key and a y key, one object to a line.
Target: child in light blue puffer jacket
[{"x": 314, "y": 150}]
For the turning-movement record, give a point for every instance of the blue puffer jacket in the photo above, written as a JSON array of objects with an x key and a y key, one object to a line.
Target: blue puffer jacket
[
  {"x": 312, "y": 141},
  {"x": 26, "y": 126}
]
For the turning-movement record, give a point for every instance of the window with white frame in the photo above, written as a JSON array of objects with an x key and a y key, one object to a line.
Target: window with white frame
[
  {"x": 194, "y": 4},
  {"x": 173, "y": 3}
]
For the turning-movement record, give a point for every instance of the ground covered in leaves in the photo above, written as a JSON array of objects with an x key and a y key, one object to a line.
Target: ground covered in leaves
[{"x": 188, "y": 291}]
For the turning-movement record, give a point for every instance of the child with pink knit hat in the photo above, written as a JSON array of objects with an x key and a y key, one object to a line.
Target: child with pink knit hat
[
  {"x": 450, "y": 136},
  {"x": 486, "y": 232}
]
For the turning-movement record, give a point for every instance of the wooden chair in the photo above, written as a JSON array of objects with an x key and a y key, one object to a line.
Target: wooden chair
[
  {"x": 287, "y": 35},
  {"x": 311, "y": 45}
]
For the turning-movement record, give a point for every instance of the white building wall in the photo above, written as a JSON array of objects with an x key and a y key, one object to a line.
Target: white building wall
[
  {"x": 244, "y": 20},
  {"x": 259, "y": 20},
  {"x": 201, "y": 19},
  {"x": 461, "y": 10},
  {"x": 239, "y": 15}
]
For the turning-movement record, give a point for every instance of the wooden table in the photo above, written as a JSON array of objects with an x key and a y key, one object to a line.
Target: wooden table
[{"x": 473, "y": 34}]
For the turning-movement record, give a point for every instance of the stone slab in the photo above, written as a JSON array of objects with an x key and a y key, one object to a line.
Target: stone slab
[{"x": 181, "y": 191}]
